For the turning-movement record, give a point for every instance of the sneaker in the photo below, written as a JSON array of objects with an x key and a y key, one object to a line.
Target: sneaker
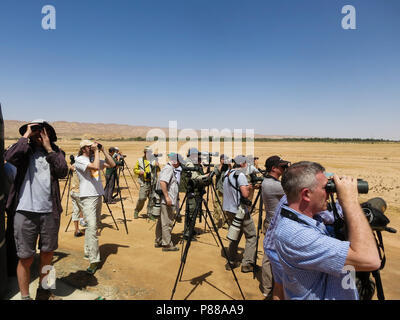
[
  {"x": 234, "y": 265},
  {"x": 82, "y": 222},
  {"x": 43, "y": 294},
  {"x": 78, "y": 234},
  {"x": 171, "y": 248},
  {"x": 92, "y": 268}
]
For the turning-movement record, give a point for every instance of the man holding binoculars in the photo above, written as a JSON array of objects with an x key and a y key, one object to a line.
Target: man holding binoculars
[
  {"x": 88, "y": 168},
  {"x": 320, "y": 263},
  {"x": 236, "y": 193}
]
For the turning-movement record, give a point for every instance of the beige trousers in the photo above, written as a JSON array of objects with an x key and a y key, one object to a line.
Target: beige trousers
[{"x": 91, "y": 207}]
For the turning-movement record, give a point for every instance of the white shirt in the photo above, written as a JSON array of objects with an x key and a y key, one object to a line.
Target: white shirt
[
  {"x": 90, "y": 184},
  {"x": 35, "y": 193}
]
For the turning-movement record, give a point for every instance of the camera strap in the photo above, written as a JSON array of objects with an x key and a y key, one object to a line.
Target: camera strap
[
  {"x": 236, "y": 176},
  {"x": 144, "y": 165},
  {"x": 292, "y": 216}
]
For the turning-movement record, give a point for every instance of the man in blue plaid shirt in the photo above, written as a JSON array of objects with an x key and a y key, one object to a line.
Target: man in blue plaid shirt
[{"x": 316, "y": 265}]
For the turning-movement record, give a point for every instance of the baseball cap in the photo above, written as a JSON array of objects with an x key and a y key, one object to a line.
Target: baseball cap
[
  {"x": 240, "y": 159},
  {"x": 85, "y": 143},
  {"x": 50, "y": 130},
  {"x": 147, "y": 149},
  {"x": 275, "y": 161},
  {"x": 176, "y": 157},
  {"x": 193, "y": 151}
]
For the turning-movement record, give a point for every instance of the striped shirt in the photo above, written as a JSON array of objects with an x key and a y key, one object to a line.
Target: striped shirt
[
  {"x": 325, "y": 216},
  {"x": 312, "y": 260}
]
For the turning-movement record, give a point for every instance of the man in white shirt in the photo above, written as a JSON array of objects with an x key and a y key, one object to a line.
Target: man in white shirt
[{"x": 88, "y": 168}]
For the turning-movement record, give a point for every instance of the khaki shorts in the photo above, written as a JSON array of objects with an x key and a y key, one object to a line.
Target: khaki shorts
[{"x": 28, "y": 226}]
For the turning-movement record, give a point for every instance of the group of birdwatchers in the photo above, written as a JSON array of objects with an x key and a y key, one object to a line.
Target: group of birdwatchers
[{"x": 302, "y": 258}]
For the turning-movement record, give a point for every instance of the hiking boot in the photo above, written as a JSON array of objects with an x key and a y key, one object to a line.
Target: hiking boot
[
  {"x": 45, "y": 294},
  {"x": 92, "y": 268},
  {"x": 234, "y": 265},
  {"x": 136, "y": 215},
  {"x": 79, "y": 233},
  {"x": 157, "y": 245},
  {"x": 170, "y": 248}
]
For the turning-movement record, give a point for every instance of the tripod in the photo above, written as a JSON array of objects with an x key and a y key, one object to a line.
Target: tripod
[
  {"x": 178, "y": 216},
  {"x": 199, "y": 201},
  {"x": 67, "y": 183},
  {"x": 259, "y": 225},
  {"x": 120, "y": 197},
  {"x": 366, "y": 286},
  {"x": 130, "y": 173},
  {"x": 69, "y": 178},
  {"x": 121, "y": 169}
]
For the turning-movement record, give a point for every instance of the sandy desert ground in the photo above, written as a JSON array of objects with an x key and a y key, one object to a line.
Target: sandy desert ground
[{"x": 133, "y": 269}]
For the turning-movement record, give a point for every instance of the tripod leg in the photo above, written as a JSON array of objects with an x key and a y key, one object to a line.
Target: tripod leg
[
  {"x": 207, "y": 224},
  {"x": 379, "y": 287},
  {"x": 122, "y": 205},
  {"x": 179, "y": 212},
  {"x": 191, "y": 231},
  {"x": 123, "y": 174},
  {"x": 109, "y": 210},
  {"x": 254, "y": 204},
  {"x": 137, "y": 187},
  {"x": 186, "y": 250},
  {"x": 66, "y": 183},
  {"x": 68, "y": 224},
  {"x": 69, "y": 188},
  {"x": 223, "y": 248}
]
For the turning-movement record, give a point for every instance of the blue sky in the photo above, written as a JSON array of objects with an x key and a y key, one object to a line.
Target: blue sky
[{"x": 278, "y": 67}]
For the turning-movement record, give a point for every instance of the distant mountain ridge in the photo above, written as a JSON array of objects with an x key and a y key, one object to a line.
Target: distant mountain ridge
[{"x": 71, "y": 130}]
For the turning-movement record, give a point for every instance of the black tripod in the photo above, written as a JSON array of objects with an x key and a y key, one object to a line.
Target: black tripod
[
  {"x": 365, "y": 286},
  {"x": 130, "y": 173},
  {"x": 69, "y": 178},
  {"x": 199, "y": 201},
  {"x": 120, "y": 197},
  {"x": 121, "y": 169},
  {"x": 259, "y": 225},
  {"x": 179, "y": 217},
  {"x": 67, "y": 185}
]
